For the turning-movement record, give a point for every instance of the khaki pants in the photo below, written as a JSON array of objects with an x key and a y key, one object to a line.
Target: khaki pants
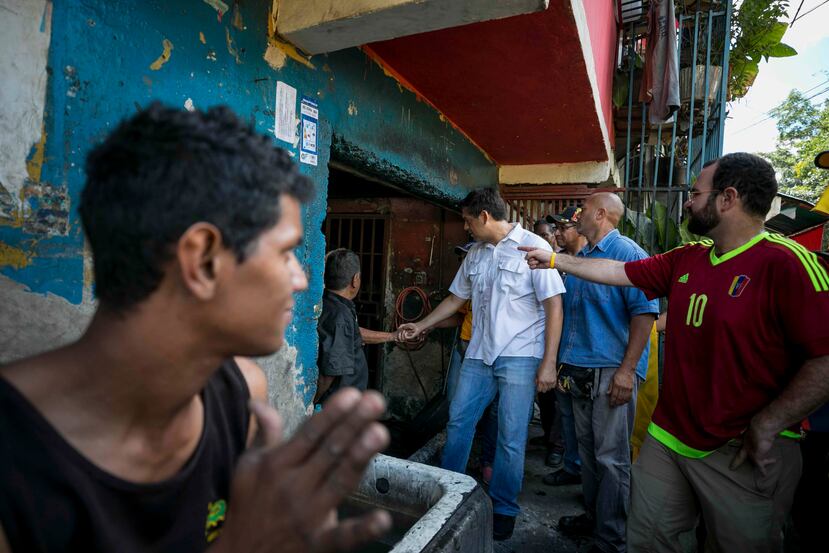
[{"x": 743, "y": 510}]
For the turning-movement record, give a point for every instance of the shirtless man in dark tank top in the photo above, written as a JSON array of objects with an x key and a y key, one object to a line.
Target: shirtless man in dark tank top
[{"x": 140, "y": 435}]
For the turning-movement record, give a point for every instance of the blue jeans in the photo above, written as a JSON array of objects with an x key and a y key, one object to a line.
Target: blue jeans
[
  {"x": 488, "y": 426},
  {"x": 513, "y": 379},
  {"x": 572, "y": 461}
]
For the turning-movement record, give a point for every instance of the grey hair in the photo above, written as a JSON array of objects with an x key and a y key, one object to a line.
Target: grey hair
[{"x": 340, "y": 267}]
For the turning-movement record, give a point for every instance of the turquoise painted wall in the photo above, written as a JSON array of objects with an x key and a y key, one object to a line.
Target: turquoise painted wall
[{"x": 99, "y": 72}]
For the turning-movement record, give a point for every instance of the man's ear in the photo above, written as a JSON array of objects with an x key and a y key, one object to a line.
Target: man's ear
[
  {"x": 730, "y": 197},
  {"x": 484, "y": 216},
  {"x": 201, "y": 256},
  {"x": 355, "y": 280}
]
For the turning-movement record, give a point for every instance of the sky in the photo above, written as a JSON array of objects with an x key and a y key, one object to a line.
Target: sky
[{"x": 744, "y": 130}]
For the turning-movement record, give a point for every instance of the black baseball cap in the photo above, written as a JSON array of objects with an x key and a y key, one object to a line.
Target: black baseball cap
[{"x": 565, "y": 217}]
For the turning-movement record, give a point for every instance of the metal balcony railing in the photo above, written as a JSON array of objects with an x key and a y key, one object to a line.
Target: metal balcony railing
[{"x": 658, "y": 162}]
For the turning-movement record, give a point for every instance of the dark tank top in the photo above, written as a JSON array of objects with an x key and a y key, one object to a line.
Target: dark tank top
[{"x": 54, "y": 499}]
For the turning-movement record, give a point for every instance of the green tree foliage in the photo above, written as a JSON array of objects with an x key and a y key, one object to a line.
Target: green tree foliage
[
  {"x": 757, "y": 29},
  {"x": 802, "y": 132}
]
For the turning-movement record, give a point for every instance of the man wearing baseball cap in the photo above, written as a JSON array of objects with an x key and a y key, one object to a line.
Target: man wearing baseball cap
[
  {"x": 569, "y": 240},
  {"x": 566, "y": 217}
]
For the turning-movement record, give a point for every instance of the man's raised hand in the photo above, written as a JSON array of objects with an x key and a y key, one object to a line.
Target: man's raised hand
[
  {"x": 285, "y": 493},
  {"x": 537, "y": 258}
]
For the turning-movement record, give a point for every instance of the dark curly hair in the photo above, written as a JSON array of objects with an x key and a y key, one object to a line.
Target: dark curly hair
[
  {"x": 751, "y": 175},
  {"x": 485, "y": 199},
  {"x": 165, "y": 169}
]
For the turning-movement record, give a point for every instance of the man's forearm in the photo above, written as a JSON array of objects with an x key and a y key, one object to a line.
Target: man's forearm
[
  {"x": 448, "y": 307},
  {"x": 450, "y": 322},
  {"x": 375, "y": 336},
  {"x": 808, "y": 390},
  {"x": 638, "y": 336},
  {"x": 602, "y": 271},
  {"x": 554, "y": 316}
]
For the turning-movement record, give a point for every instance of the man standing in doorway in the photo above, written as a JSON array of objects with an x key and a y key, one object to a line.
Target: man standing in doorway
[
  {"x": 602, "y": 381},
  {"x": 515, "y": 333},
  {"x": 341, "y": 360},
  {"x": 747, "y": 358},
  {"x": 570, "y": 241}
]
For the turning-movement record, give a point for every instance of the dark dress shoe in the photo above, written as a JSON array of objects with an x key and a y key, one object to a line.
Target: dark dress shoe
[
  {"x": 554, "y": 459},
  {"x": 579, "y": 525},
  {"x": 561, "y": 478},
  {"x": 502, "y": 527}
]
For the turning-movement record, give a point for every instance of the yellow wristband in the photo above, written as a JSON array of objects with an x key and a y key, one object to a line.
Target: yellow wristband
[{"x": 553, "y": 261}]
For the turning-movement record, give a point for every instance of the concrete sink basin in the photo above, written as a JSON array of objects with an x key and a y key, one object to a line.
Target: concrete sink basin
[{"x": 434, "y": 510}]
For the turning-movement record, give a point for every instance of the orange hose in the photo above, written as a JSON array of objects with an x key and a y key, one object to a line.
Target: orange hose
[{"x": 400, "y": 318}]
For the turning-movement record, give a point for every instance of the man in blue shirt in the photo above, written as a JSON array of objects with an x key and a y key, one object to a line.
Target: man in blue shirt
[{"x": 603, "y": 353}]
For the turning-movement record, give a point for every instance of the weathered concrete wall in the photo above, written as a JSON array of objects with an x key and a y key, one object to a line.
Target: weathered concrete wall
[{"x": 108, "y": 58}]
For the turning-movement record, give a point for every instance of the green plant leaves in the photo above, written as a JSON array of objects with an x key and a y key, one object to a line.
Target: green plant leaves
[
  {"x": 620, "y": 89},
  {"x": 771, "y": 36},
  {"x": 743, "y": 73},
  {"x": 782, "y": 51},
  {"x": 686, "y": 235},
  {"x": 667, "y": 230},
  {"x": 757, "y": 31},
  {"x": 656, "y": 234}
]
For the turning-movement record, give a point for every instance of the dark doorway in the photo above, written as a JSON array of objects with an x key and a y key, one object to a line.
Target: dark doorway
[
  {"x": 360, "y": 225},
  {"x": 406, "y": 249}
]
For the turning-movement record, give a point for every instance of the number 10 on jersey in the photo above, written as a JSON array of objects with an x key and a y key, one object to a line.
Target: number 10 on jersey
[{"x": 696, "y": 307}]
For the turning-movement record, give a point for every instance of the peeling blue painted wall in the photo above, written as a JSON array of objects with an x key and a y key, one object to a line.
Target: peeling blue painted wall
[{"x": 99, "y": 72}]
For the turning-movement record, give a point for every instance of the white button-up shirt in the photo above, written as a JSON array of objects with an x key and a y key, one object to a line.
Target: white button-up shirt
[{"x": 507, "y": 313}]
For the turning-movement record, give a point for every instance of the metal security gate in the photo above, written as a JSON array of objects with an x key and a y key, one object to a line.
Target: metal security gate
[{"x": 365, "y": 235}]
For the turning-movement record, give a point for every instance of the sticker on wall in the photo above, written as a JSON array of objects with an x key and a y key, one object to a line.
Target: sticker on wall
[
  {"x": 310, "y": 112},
  {"x": 285, "y": 124}
]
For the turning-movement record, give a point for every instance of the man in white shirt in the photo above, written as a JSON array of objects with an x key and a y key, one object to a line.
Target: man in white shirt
[{"x": 516, "y": 328}]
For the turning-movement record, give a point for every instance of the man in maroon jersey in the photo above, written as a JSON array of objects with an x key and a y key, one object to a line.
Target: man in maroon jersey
[{"x": 747, "y": 358}]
